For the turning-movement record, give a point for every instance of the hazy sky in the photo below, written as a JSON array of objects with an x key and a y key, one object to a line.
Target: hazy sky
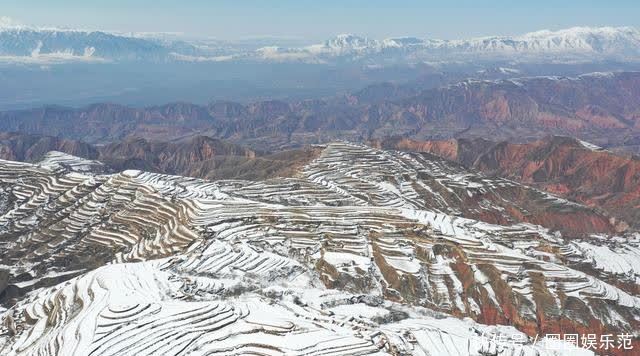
[{"x": 319, "y": 19}]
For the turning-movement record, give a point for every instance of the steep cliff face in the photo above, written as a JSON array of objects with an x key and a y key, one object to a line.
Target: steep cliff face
[{"x": 561, "y": 165}]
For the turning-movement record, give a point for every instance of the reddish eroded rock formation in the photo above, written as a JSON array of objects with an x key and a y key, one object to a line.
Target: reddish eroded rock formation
[
  {"x": 560, "y": 165},
  {"x": 571, "y": 316},
  {"x": 445, "y": 148},
  {"x": 602, "y": 108},
  {"x": 24, "y": 147},
  {"x": 200, "y": 156},
  {"x": 170, "y": 157}
]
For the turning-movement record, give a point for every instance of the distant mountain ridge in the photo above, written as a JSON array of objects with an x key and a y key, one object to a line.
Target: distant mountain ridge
[
  {"x": 579, "y": 43},
  {"x": 603, "y": 108},
  {"x": 199, "y": 156},
  {"x": 576, "y": 41}
]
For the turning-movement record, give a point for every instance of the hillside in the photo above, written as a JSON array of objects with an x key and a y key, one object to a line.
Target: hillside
[
  {"x": 364, "y": 251},
  {"x": 568, "y": 167}
]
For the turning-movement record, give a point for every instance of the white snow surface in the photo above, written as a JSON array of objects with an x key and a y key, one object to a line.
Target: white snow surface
[
  {"x": 347, "y": 258},
  {"x": 23, "y": 43}
]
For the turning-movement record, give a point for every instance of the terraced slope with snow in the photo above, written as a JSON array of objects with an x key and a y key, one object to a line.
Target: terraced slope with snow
[{"x": 363, "y": 252}]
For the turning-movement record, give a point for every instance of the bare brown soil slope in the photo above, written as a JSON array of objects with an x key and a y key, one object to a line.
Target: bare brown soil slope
[{"x": 560, "y": 165}]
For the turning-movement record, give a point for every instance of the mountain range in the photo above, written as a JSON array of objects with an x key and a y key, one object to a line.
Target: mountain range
[
  {"x": 43, "y": 45},
  {"x": 602, "y": 108},
  {"x": 199, "y": 156},
  {"x": 564, "y": 166},
  {"x": 78, "y": 67},
  {"x": 403, "y": 196},
  {"x": 573, "y": 43}
]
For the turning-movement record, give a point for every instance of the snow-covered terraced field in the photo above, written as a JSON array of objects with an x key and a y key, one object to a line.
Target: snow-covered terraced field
[{"x": 362, "y": 252}]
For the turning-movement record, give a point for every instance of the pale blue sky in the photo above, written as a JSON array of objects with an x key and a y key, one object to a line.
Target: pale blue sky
[{"x": 319, "y": 19}]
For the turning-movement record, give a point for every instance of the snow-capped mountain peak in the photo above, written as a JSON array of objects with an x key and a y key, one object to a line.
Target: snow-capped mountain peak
[
  {"x": 596, "y": 39},
  {"x": 577, "y": 43},
  {"x": 22, "y": 43},
  {"x": 579, "y": 31},
  {"x": 594, "y": 42},
  {"x": 399, "y": 42},
  {"x": 349, "y": 41}
]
